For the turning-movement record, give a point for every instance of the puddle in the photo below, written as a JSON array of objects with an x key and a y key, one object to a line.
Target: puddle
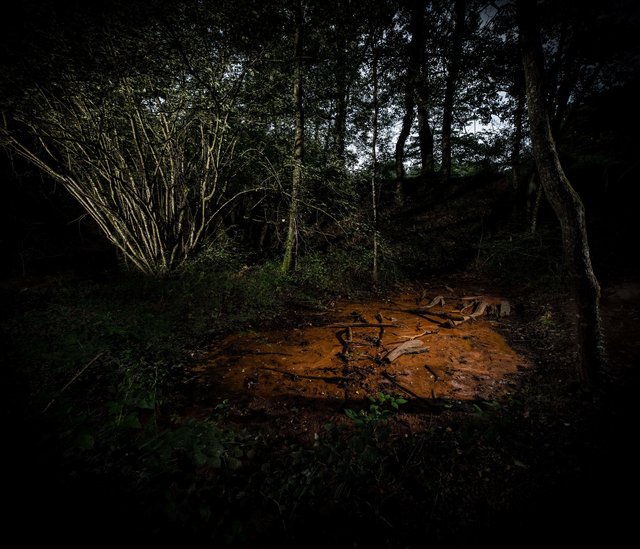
[{"x": 466, "y": 362}]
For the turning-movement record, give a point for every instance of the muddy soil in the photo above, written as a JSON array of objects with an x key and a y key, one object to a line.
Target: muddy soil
[{"x": 330, "y": 361}]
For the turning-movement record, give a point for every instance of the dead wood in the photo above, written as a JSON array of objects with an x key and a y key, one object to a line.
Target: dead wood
[
  {"x": 471, "y": 298},
  {"x": 345, "y": 341},
  {"x": 449, "y": 315},
  {"x": 452, "y": 323},
  {"x": 362, "y": 325},
  {"x": 414, "y": 346},
  {"x": 423, "y": 400},
  {"x": 381, "y": 332},
  {"x": 467, "y": 308},
  {"x": 504, "y": 308},
  {"x": 76, "y": 376},
  {"x": 436, "y": 377},
  {"x": 295, "y": 377},
  {"x": 439, "y": 300},
  {"x": 426, "y": 332},
  {"x": 479, "y": 310}
]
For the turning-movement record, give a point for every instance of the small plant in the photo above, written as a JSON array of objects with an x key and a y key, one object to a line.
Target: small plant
[
  {"x": 381, "y": 408},
  {"x": 546, "y": 319}
]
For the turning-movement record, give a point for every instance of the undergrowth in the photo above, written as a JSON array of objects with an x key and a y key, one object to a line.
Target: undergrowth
[{"x": 96, "y": 368}]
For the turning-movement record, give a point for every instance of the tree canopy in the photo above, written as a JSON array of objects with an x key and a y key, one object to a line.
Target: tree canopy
[{"x": 173, "y": 121}]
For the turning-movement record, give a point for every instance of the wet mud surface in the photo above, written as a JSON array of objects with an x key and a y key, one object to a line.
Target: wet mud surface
[{"x": 331, "y": 359}]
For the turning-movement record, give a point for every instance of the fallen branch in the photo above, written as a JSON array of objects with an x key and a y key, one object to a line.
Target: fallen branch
[
  {"x": 388, "y": 376},
  {"x": 362, "y": 325},
  {"x": 294, "y": 377},
  {"x": 412, "y": 347},
  {"x": 450, "y": 316},
  {"x": 452, "y": 323},
  {"x": 436, "y": 377},
  {"x": 479, "y": 310},
  {"x": 381, "y": 332},
  {"x": 76, "y": 376},
  {"x": 426, "y": 332},
  {"x": 436, "y": 301}
]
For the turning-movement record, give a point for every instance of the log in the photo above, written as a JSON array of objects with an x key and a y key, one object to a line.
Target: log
[{"x": 414, "y": 346}]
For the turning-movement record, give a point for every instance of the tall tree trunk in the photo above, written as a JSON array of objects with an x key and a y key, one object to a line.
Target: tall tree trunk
[
  {"x": 340, "y": 128},
  {"x": 288, "y": 262},
  {"x": 425, "y": 135},
  {"x": 407, "y": 121},
  {"x": 374, "y": 164},
  {"x": 417, "y": 59},
  {"x": 451, "y": 84},
  {"x": 415, "y": 55},
  {"x": 518, "y": 122},
  {"x": 565, "y": 202}
]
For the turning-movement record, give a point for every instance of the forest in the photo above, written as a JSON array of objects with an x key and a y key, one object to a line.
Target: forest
[{"x": 335, "y": 273}]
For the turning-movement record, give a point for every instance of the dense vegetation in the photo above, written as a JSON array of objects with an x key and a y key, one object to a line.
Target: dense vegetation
[{"x": 174, "y": 172}]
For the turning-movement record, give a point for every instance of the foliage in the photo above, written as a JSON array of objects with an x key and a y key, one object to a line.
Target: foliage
[
  {"x": 379, "y": 412},
  {"x": 515, "y": 256}
]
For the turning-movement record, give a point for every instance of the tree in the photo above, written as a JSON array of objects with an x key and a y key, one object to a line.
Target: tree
[
  {"x": 374, "y": 155},
  {"x": 452, "y": 81},
  {"x": 145, "y": 142},
  {"x": 288, "y": 261},
  {"x": 149, "y": 168},
  {"x": 415, "y": 95},
  {"x": 565, "y": 201}
]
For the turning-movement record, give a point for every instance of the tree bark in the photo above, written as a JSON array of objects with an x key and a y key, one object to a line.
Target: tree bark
[
  {"x": 417, "y": 59},
  {"x": 565, "y": 202},
  {"x": 425, "y": 135},
  {"x": 407, "y": 121},
  {"x": 450, "y": 88},
  {"x": 288, "y": 262},
  {"x": 374, "y": 163},
  {"x": 413, "y": 89},
  {"x": 340, "y": 127},
  {"x": 518, "y": 121}
]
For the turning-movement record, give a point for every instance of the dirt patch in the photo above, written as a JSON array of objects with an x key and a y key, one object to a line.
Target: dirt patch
[{"x": 343, "y": 360}]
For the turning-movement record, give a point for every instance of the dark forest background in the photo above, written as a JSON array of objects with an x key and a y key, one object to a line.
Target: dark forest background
[{"x": 176, "y": 171}]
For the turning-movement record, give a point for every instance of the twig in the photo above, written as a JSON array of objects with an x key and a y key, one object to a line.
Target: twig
[
  {"x": 426, "y": 332},
  {"x": 388, "y": 376},
  {"x": 435, "y": 376},
  {"x": 76, "y": 376}
]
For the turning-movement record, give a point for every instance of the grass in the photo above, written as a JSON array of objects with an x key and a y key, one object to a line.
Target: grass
[{"x": 114, "y": 452}]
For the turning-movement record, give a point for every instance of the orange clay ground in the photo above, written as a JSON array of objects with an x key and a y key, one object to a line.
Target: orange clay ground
[{"x": 307, "y": 364}]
